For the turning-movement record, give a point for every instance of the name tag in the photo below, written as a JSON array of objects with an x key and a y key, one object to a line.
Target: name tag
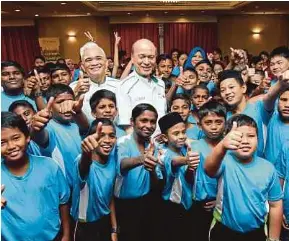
[{"x": 140, "y": 98}]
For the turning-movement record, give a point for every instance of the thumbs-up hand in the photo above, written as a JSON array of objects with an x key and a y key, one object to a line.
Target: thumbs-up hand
[
  {"x": 193, "y": 158},
  {"x": 83, "y": 85},
  {"x": 31, "y": 83},
  {"x": 41, "y": 118},
  {"x": 71, "y": 106},
  {"x": 238, "y": 56},
  {"x": 150, "y": 161},
  {"x": 90, "y": 143},
  {"x": 233, "y": 139},
  {"x": 284, "y": 78},
  {"x": 3, "y": 200},
  {"x": 181, "y": 78},
  {"x": 210, "y": 57}
]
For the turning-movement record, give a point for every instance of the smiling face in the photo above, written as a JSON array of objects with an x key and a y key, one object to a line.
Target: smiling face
[
  {"x": 278, "y": 65},
  {"x": 11, "y": 79},
  {"x": 218, "y": 68},
  {"x": 145, "y": 124},
  {"x": 94, "y": 62},
  {"x": 165, "y": 68},
  {"x": 13, "y": 144},
  {"x": 248, "y": 144},
  {"x": 176, "y": 136},
  {"x": 204, "y": 72},
  {"x": 199, "y": 98},
  {"x": 232, "y": 92},
  {"x": 190, "y": 81},
  {"x": 196, "y": 58},
  {"x": 25, "y": 112},
  {"x": 107, "y": 140},
  {"x": 61, "y": 76},
  {"x": 283, "y": 106},
  {"x": 45, "y": 81},
  {"x": 39, "y": 63},
  {"x": 182, "y": 107},
  {"x": 182, "y": 59},
  {"x": 213, "y": 126}
]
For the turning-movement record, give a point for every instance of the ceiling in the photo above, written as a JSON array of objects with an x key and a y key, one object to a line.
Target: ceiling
[{"x": 28, "y": 9}]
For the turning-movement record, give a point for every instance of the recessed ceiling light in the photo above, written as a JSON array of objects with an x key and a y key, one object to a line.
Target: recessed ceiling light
[
  {"x": 128, "y": 13},
  {"x": 36, "y": 15},
  {"x": 256, "y": 7},
  {"x": 182, "y": 14},
  {"x": 202, "y": 11},
  {"x": 88, "y": 14},
  {"x": 17, "y": 10},
  {"x": 147, "y": 14},
  {"x": 63, "y": 3},
  {"x": 165, "y": 12}
]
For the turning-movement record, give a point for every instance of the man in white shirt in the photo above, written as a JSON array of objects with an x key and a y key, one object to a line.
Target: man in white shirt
[
  {"x": 141, "y": 86},
  {"x": 94, "y": 63}
]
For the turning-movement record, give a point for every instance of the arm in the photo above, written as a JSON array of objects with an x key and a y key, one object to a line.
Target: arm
[
  {"x": 84, "y": 164},
  {"x": 39, "y": 101},
  {"x": 275, "y": 219},
  {"x": 171, "y": 92},
  {"x": 113, "y": 221},
  {"x": 130, "y": 163},
  {"x": 115, "y": 57},
  {"x": 82, "y": 122},
  {"x": 126, "y": 71},
  {"x": 64, "y": 216},
  {"x": 40, "y": 137}
]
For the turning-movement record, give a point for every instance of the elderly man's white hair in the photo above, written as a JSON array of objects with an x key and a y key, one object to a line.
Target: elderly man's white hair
[{"x": 89, "y": 45}]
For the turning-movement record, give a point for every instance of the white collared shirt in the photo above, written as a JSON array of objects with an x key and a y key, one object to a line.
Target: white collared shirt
[
  {"x": 136, "y": 89},
  {"x": 109, "y": 84}
]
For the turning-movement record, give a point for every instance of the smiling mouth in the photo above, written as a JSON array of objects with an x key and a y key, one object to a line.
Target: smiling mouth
[
  {"x": 106, "y": 148},
  {"x": 13, "y": 153},
  {"x": 229, "y": 99}
]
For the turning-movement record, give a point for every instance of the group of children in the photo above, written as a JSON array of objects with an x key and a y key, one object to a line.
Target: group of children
[{"x": 217, "y": 170}]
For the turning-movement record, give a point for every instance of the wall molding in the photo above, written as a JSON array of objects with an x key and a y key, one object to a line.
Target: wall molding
[{"x": 17, "y": 22}]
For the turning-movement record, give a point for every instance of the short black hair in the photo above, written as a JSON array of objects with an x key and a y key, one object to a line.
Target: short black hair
[
  {"x": 228, "y": 74},
  {"x": 59, "y": 67},
  {"x": 93, "y": 125},
  {"x": 99, "y": 95},
  {"x": 218, "y": 50},
  {"x": 241, "y": 120},
  {"x": 163, "y": 57},
  {"x": 283, "y": 91},
  {"x": 191, "y": 69},
  {"x": 200, "y": 86},
  {"x": 256, "y": 59},
  {"x": 260, "y": 72},
  {"x": 60, "y": 59},
  {"x": 174, "y": 50},
  {"x": 44, "y": 70},
  {"x": 5, "y": 64},
  {"x": 181, "y": 53},
  {"x": 11, "y": 120},
  {"x": 280, "y": 51},
  {"x": 39, "y": 57},
  {"x": 140, "y": 108},
  {"x": 264, "y": 53},
  {"x": 23, "y": 103},
  {"x": 57, "y": 89},
  {"x": 204, "y": 61},
  {"x": 212, "y": 107},
  {"x": 184, "y": 97}
]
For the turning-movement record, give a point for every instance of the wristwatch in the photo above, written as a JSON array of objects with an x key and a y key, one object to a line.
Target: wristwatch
[
  {"x": 115, "y": 230},
  {"x": 37, "y": 94},
  {"x": 272, "y": 239}
]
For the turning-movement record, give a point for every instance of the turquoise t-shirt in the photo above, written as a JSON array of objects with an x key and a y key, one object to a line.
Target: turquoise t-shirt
[{"x": 7, "y": 100}]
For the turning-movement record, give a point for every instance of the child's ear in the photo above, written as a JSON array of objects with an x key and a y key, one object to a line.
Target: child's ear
[
  {"x": 244, "y": 88},
  {"x": 164, "y": 138},
  {"x": 199, "y": 125},
  {"x": 28, "y": 138},
  {"x": 93, "y": 114}
]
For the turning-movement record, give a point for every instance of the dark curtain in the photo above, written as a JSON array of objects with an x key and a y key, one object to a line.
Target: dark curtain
[
  {"x": 20, "y": 44},
  {"x": 129, "y": 33},
  {"x": 185, "y": 36}
]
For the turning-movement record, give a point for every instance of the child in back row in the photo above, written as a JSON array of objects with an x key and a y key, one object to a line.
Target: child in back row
[
  {"x": 246, "y": 184},
  {"x": 179, "y": 171},
  {"x": 212, "y": 117},
  {"x": 36, "y": 193}
]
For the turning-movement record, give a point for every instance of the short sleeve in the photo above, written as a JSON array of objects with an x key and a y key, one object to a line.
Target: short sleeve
[
  {"x": 124, "y": 107},
  {"x": 220, "y": 170},
  {"x": 280, "y": 164},
  {"x": 64, "y": 192},
  {"x": 123, "y": 151},
  {"x": 274, "y": 190},
  {"x": 265, "y": 114}
]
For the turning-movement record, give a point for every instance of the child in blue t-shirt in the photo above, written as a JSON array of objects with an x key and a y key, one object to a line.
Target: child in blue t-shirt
[
  {"x": 181, "y": 104},
  {"x": 92, "y": 196},
  {"x": 282, "y": 166},
  {"x": 34, "y": 188},
  {"x": 58, "y": 127},
  {"x": 278, "y": 127},
  {"x": 247, "y": 184},
  {"x": 138, "y": 181},
  {"x": 103, "y": 105},
  {"x": 24, "y": 109},
  {"x": 212, "y": 116},
  {"x": 179, "y": 170}
]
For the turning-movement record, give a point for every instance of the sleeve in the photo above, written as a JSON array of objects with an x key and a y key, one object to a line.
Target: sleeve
[
  {"x": 123, "y": 151},
  {"x": 77, "y": 178},
  {"x": 280, "y": 164},
  {"x": 124, "y": 106},
  {"x": 63, "y": 189},
  {"x": 168, "y": 165},
  {"x": 274, "y": 190},
  {"x": 221, "y": 170},
  {"x": 265, "y": 114}
]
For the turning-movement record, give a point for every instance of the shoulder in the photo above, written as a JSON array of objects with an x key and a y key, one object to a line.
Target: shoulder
[
  {"x": 124, "y": 139},
  {"x": 266, "y": 165},
  {"x": 44, "y": 163},
  {"x": 112, "y": 81},
  {"x": 129, "y": 81}
]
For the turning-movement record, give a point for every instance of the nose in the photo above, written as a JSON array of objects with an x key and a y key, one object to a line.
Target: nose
[
  {"x": 107, "y": 109},
  {"x": 24, "y": 117},
  {"x": 214, "y": 126},
  {"x": 10, "y": 145},
  {"x": 146, "y": 60},
  {"x": 245, "y": 139},
  {"x": 11, "y": 76},
  {"x": 227, "y": 91}
]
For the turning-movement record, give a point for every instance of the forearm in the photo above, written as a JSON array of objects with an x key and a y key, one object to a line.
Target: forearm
[
  {"x": 64, "y": 216},
  {"x": 270, "y": 98},
  {"x": 130, "y": 163},
  {"x": 171, "y": 92},
  {"x": 214, "y": 160},
  {"x": 84, "y": 165},
  {"x": 113, "y": 214},
  {"x": 179, "y": 161},
  {"x": 115, "y": 61},
  {"x": 126, "y": 71},
  {"x": 40, "y": 102},
  {"x": 190, "y": 175},
  {"x": 82, "y": 122},
  {"x": 275, "y": 219},
  {"x": 40, "y": 137},
  {"x": 257, "y": 91}
]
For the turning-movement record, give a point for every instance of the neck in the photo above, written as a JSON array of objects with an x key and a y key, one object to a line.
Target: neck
[
  {"x": 174, "y": 149},
  {"x": 140, "y": 141},
  {"x": 241, "y": 106},
  {"x": 100, "y": 79},
  {"x": 212, "y": 142},
  {"x": 99, "y": 158},
  {"x": 144, "y": 76},
  {"x": 18, "y": 168},
  {"x": 14, "y": 92}
]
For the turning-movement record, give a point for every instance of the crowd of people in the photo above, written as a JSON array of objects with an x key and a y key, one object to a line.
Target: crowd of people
[{"x": 170, "y": 147}]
